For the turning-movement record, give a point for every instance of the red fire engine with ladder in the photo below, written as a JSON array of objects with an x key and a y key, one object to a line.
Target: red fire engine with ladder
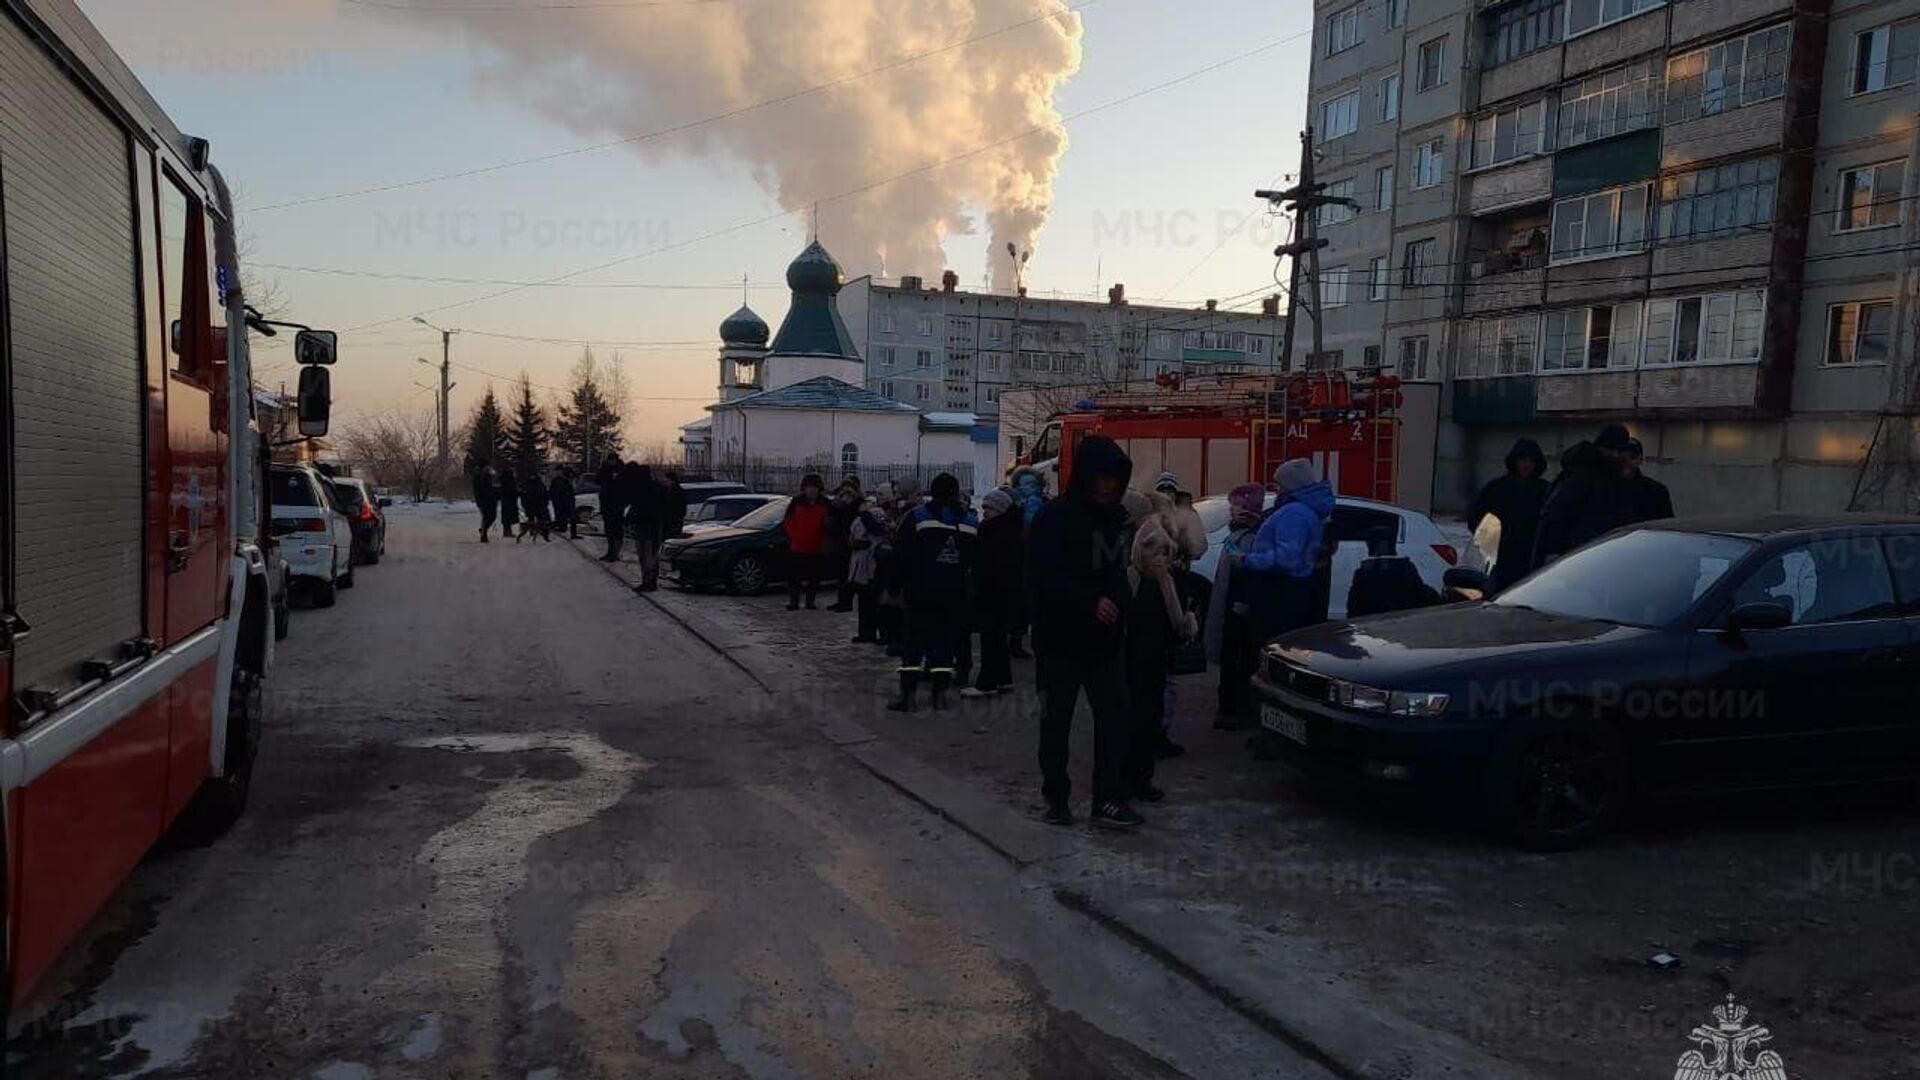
[
  {"x": 1218, "y": 435},
  {"x": 135, "y": 632}
]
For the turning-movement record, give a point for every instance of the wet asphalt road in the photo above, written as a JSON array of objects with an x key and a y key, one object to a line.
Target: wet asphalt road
[{"x": 511, "y": 821}]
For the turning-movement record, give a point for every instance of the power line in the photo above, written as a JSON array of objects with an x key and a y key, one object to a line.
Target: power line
[{"x": 675, "y": 129}]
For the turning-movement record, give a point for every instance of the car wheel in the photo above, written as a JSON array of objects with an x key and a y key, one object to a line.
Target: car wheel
[
  {"x": 346, "y": 579},
  {"x": 374, "y": 551},
  {"x": 222, "y": 799},
  {"x": 282, "y": 620},
  {"x": 747, "y": 576},
  {"x": 1558, "y": 789},
  {"x": 325, "y": 593}
]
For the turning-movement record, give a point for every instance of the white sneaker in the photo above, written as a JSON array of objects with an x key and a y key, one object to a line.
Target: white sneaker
[{"x": 971, "y": 693}]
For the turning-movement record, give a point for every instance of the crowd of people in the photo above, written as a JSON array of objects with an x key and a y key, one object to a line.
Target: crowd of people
[
  {"x": 533, "y": 506},
  {"x": 1098, "y": 575}
]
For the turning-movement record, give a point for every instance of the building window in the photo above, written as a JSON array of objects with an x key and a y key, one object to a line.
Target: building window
[
  {"x": 1591, "y": 338},
  {"x": 1610, "y": 103},
  {"x": 1517, "y": 132},
  {"x": 1433, "y": 65},
  {"x": 1383, "y": 188},
  {"x": 1859, "y": 333},
  {"x": 1870, "y": 196},
  {"x": 1331, "y": 360},
  {"x": 1517, "y": 30},
  {"x": 1416, "y": 265},
  {"x": 1585, "y": 15},
  {"x": 1490, "y": 348},
  {"x": 886, "y": 388},
  {"x": 1343, "y": 30},
  {"x": 1716, "y": 328},
  {"x": 1390, "y": 98},
  {"x": 886, "y": 322},
  {"x": 886, "y": 356},
  {"x": 996, "y": 332},
  {"x": 923, "y": 326},
  {"x": 1378, "y": 278},
  {"x": 1333, "y": 287},
  {"x": 922, "y": 359},
  {"x": 849, "y": 458},
  {"x": 1744, "y": 71},
  {"x": 1723, "y": 199},
  {"x": 922, "y": 391},
  {"x": 1601, "y": 224},
  {"x": 1340, "y": 116},
  {"x": 1413, "y": 357},
  {"x": 1396, "y": 14},
  {"x": 1429, "y": 163},
  {"x": 1336, "y": 213},
  {"x": 1884, "y": 57}
]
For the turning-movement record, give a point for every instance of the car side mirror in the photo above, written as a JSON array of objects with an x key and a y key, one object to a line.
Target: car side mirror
[
  {"x": 316, "y": 347},
  {"x": 315, "y": 401},
  {"x": 1762, "y": 615},
  {"x": 1466, "y": 583}
]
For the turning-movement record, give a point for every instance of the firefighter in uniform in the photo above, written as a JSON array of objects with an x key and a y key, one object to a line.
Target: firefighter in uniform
[{"x": 934, "y": 552}]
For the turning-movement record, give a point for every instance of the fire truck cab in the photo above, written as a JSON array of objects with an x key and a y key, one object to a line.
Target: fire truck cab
[
  {"x": 1220, "y": 435},
  {"x": 135, "y": 624}
]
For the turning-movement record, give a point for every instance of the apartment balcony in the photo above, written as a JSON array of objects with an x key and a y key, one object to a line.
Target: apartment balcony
[
  {"x": 1703, "y": 18},
  {"x": 1736, "y": 131},
  {"x": 1700, "y": 386},
  {"x": 1586, "y": 392},
  {"x": 1497, "y": 189},
  {"x": 1513, "y": 285},
  {"x": 1720, "y": 262},
  {"x": 1535, "y": 71},
  {"x": 1643, "y": 33},
  {"x": 1598, "y": 281}
]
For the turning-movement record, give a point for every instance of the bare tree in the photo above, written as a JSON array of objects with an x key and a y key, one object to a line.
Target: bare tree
[{"x": 399, "y": 450}]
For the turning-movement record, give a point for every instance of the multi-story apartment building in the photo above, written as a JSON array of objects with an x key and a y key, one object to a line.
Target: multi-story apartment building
[
  {"x": 943, "y": 349},
  {"x": 1691, "y": 216}
]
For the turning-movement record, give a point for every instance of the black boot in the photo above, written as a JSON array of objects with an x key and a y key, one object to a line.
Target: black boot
[
  {"x": 909, "y": 686},
  {"x": 941, "y": 681}
]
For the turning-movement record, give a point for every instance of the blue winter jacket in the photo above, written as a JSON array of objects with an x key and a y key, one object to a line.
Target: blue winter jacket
[{"x": 1289, "y": 540}]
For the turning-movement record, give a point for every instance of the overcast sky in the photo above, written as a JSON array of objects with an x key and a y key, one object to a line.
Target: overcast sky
[{"x": 306, "y": 98}]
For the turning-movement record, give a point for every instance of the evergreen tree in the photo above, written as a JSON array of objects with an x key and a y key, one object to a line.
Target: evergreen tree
[
  {"x": 527, "y": 434},
  {"x": 587, "y": 428},
  {"x": 486, "y": 435}
]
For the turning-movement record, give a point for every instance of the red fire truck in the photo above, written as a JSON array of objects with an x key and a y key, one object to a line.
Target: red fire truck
[
  {"x": 135, "y": 630},
  {"x": 1219, "y": 435}
]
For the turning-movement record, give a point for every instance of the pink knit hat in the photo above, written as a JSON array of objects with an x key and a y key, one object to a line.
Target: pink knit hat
[{"x": 1248, "y": 498}]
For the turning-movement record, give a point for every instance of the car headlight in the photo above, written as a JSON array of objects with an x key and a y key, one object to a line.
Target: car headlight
[{"x": 1407, "y": 703}]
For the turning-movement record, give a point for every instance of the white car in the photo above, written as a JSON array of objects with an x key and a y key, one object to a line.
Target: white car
[
  {"x": 315, "y": 537},
  {"x": 722, "y": 511},
  {"x": 1433, "y": 554}
]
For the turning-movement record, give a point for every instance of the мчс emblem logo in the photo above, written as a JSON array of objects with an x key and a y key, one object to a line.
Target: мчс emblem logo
[{"x": 1730, "y": 1049}]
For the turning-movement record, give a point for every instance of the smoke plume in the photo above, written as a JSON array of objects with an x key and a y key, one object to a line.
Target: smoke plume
[{"x": 619, "y": 72}]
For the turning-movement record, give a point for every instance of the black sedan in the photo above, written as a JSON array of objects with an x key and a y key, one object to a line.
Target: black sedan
[
  {"x": 1682, "y": 656},
  {"x": 744, "y": 557},
  {"x": 366, "y": 512}
]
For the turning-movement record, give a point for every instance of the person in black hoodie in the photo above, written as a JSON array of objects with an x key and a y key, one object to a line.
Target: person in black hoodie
[
  {"x": 533, "y": 502},
  {"x": 560, "y": 493},
  {"x": 486, "y": 495},
  {"x": 1589, "y": 498},
  {"x": 1515, "y": 498},
  {"x": 646, "y": 511},
  {"x": 1650, "y": 498},
  {"x": 1078, "y": 594},
  {"x": 613, "y": 504},
  {"x": 999, "y": 591},
  {"x": 509, "y": 503}
]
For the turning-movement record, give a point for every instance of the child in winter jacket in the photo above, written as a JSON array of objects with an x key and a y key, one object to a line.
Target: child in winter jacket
[{"x": 1156, "y": 622}]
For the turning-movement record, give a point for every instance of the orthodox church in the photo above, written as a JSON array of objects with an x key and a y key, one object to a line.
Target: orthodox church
[{"x": 800, "y": 403}]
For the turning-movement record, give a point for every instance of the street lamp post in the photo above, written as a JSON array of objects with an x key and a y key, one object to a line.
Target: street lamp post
[{"x": 446, "y": 383}]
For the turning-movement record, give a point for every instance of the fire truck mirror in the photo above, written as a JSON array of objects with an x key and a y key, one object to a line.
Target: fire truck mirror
[
  {"x": 316, "y": 347},
  {"x": 316, "y": 401}
]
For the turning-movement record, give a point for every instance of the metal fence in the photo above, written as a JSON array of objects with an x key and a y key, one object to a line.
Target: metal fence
[{"x": 782, "y": 476}]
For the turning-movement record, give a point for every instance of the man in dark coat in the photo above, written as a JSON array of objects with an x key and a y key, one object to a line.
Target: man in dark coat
[
  {"x": 560, "y": 493},
  {"x": 1589, "y": 498},
  {"x": 1386, "y": 580},
  {"x": 533, "y": 503},
  {"x": 509, "y": 502},
  {"x": 673, "y": 505},
  {"x": 1650, "y": 498},
  {"x": 999, "y": 591},
  {"x": 613, "y": 504},
  {"x": 486, "y": 495},
  {"x": 645, "y": 504},
  {"x": 842, "y": 509},
  {"x": 935, "y": 552},
  {"x": 1515, "y": 498},
  {"x": 1078, "y": 593}
]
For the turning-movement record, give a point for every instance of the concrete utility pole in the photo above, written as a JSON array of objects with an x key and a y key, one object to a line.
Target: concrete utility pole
[
  {"x": 1302, "y": 200},
  {"x": 446, "y": 383}
]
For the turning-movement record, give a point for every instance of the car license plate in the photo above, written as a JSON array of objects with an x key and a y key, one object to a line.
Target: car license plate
[{"x": 1284, "y": 723}]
